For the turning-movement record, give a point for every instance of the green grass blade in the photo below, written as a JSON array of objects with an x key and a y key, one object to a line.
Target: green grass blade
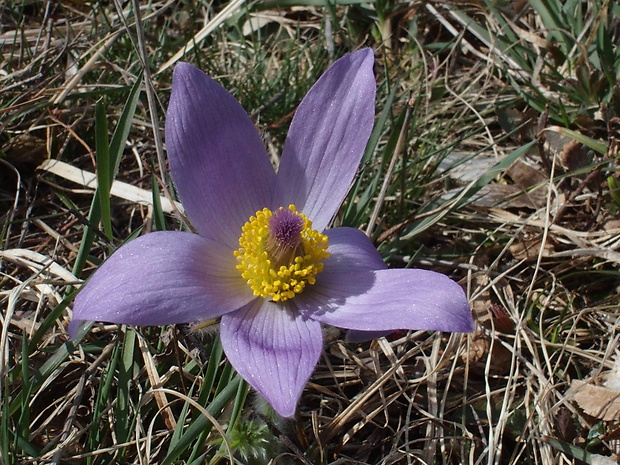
[
  {"x": 320, "y": 3},
  {"x": 104, "y": 176},
  {"x": 88, "y": 236},
  {"x": 5, "y": 429},
  {"x": 23, "y": 422},
  {"x": 50, "y": 321},
  {"x": 614, "y": 189},
  {"x": 608, "y": 57},
  {"x": 597, "y": 146},
  {"x": 353, "y": 209},
  {"x": 121, "y": 132},
  {"x": 181, "y": 419},
  {"x": 216, "y": 354},
  {"x": 495, "y": 170},
  {"x": 52, "y": 364},
  {"x": 202, "y": 425},
  {"x": 25, "y": 385},
  {"x": 158, "y": 213},
  {"x": 357, "y": 203},
  {"x": 125, "y": 374},
  {"x": 108, "y": 377},
  {"x": 119, "y": 138},
  {"x": 242, "y": 394},
  {"x": 510, "y": 49},
  {"x": 554, "y": 20},
  {"x": 466, "y": 194},
  {"x": 225, "y": 377},
  {"x": 573, "y": 451}
]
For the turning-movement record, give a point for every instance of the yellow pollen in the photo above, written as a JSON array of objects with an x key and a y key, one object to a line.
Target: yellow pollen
[{"x": 280, "y": 253}]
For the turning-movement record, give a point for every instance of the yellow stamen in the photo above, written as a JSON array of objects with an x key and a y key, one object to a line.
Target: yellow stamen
[{"x": 280, "y": 253}]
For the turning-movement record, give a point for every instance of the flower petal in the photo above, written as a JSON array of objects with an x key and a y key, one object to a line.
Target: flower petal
[
  {"x": 385, "y": 300},
  {"x": 217, "y": 158},
  {"x": 351, "y": 250},
  {"x": 163, "y": 278},
  {"x": 327, "y": 138},
  {"x": 274, "y": 349}
]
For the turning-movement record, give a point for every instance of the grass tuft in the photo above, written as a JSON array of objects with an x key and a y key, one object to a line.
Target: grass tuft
[{"x": 494, "y": 159}]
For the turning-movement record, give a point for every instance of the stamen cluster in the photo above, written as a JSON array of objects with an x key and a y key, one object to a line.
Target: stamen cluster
[{"x": 280, "y": 253}]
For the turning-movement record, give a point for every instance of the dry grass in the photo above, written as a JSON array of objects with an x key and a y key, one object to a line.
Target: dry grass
[{"x": 536, "y": 245}]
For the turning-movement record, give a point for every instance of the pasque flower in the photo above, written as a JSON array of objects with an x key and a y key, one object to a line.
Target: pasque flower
[{"x": 263, "y": 261}]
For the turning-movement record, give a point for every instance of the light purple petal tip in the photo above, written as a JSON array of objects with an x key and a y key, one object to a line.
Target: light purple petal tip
[
  {"x": 386, "y": 300},
  {"x": 273, "y": 349},
  {"x": 217, "y": 158},
  {"x": 163, "y": 278},
  {"x": 327, "y": 138}
]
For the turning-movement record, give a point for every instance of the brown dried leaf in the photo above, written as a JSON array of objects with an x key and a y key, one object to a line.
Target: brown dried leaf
[
  {"x": 529, "y": 248},
  {"x": 26, "y": 149},
  {"x": 525, "y": 175},
  {"x": 572, "y": 154},
  {"x": 596, "y": 401}
]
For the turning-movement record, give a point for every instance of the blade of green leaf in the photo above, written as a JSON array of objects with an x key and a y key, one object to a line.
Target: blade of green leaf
[
  {"x": 573, "y": 451},
  {"x": 52, "y": 364},
  {"x": 104, "y": 177},
  {"x": 597, "y": 146},
  {"x": 108, "y": 377},
  {"x": 121, "y": 132},
  {"x": 202, "y": 425},
  {"x": 50, "y": 320},
  {"x": 552, "y": 18},
  {"x": 118, "y": 140},
  {"x": 125, "y": 374},
  {"x": 466, "y": 194},
  {"x": 358, "y": 203},
  {"x": 158, "y": 213}
]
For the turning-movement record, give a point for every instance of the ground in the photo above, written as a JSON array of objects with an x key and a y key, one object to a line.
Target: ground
[{"x": 494, "y": 160}]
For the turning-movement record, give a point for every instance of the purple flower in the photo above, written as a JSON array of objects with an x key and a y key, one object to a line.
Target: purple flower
[{"x": 263, "y": 261}]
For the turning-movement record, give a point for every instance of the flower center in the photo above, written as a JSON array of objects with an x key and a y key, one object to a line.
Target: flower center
[{"x": 280, "y": 253}]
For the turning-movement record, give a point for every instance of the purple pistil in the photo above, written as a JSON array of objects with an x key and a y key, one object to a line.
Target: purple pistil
[{"x": 285, "y": 227}]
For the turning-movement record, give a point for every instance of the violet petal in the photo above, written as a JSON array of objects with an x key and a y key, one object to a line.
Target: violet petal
[
  {"x": 217, "y": 158},
  {"x": 385, "y": 300},
  {"x": 327, "y": 138},
  {"x": 351, "y": 250},
  {"x": 274, "y": 349},
  {"x": 163, "y": 278}
]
